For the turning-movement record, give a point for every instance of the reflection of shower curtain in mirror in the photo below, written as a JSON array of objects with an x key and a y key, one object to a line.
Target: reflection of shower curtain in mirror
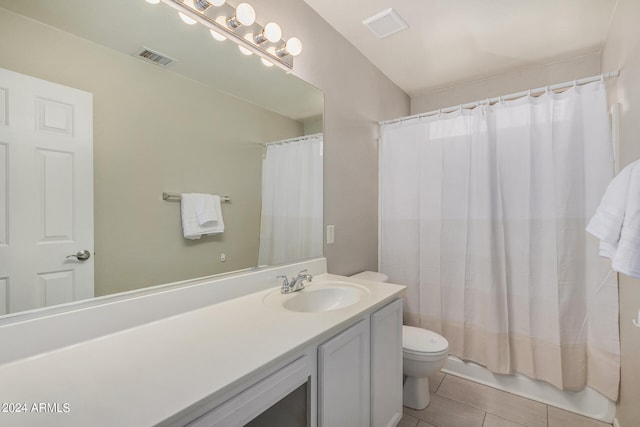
[
  {"x": 483, "y": 215},
  {"x": 291, "y": 221}
]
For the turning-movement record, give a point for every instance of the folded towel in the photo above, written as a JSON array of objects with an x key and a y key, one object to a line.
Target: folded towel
[
  {"x": 201, "y": 215},
  {"x": 617, "y": 221}
]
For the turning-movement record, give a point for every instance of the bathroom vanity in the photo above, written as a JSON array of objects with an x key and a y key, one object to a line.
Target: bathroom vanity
[{"x": 241, "y": 348}]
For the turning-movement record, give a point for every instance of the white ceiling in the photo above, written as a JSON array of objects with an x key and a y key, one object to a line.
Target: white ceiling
[{"x": 454, "y": 41}]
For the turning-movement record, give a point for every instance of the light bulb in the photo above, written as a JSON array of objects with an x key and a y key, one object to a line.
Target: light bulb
[
  {"x": 217, "y": 36},
  {"x": 294, "y": 46},
  {"x": 272, "y": 32},
  {"x": 187, "y": 19},
  {"x": 245, "y": 51},
  {"x": 266, "y": 63},
  {"x": 217, "y": 2},
  {"x": 245, "y": 14},
  {"x": 153, "y": 1}
]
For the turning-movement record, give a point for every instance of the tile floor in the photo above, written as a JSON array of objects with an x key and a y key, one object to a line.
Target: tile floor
[{"x": 456, "y": 402}]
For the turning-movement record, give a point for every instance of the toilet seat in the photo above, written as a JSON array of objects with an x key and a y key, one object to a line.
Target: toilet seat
[
  {"x": 423, "y": 345},
  {"x": 424, "y": 357}
]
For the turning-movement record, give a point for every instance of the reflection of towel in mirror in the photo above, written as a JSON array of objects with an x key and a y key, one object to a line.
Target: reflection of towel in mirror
[
  {"x": 617, "y": 221},
  {"x": 201, "y": 215}
]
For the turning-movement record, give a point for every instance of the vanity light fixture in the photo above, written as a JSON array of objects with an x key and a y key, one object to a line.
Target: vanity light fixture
[
  {"x": 239, "y": 24},
  {"x": 243, "y": 49},
  {"x": 216, "y": 35},
  {"x": 271, "y": 32},
  {"x": 245, "y": 15},
  {"x": 186, "y": 18},
  {"x": 292, "y": 47}
]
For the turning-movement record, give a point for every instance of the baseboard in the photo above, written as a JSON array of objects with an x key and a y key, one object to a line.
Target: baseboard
[{"x": 616, "y": 423}]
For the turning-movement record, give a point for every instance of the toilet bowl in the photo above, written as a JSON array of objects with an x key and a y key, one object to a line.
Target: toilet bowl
[{"x": 423, "y": 354}]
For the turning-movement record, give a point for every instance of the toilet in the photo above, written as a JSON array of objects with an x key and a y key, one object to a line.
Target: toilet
[
  {"x": 374, "y": 276},
  {"x": 423, "y": 354}
]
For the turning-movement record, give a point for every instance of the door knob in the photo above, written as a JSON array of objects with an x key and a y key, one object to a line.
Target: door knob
[{"x": 82, "y": 255}]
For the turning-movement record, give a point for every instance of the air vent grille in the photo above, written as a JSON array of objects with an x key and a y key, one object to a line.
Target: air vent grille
[
  {"x": 386, "y": 23},
  {"x": 154, "y": 57}
]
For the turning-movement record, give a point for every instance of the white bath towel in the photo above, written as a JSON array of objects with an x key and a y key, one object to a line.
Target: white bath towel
[
  {"x": 201, "y": 215},
  {"x": 617, "y": 221}
]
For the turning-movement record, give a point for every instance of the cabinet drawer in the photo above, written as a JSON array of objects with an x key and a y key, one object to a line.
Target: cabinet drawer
[{"x": 250, "y": 403}]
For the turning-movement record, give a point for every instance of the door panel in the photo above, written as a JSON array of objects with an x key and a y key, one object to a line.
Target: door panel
[
  {"x": 343, "y": 378},
  {"x": 46, "y": 192}
]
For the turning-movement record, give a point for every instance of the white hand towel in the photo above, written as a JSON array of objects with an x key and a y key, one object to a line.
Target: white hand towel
[
  {"x": 617, "y": 221},
  {"x": 201, "y": 215}
]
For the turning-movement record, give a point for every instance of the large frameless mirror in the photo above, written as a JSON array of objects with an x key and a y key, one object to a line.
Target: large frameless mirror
[{"x": 212, "y": 121}]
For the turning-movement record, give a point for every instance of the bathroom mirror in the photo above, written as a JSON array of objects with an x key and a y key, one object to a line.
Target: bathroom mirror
[{"x": 198, "y": 124}]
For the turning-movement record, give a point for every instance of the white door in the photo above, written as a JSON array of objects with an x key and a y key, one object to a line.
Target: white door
[{"x": 46, "y": 193}]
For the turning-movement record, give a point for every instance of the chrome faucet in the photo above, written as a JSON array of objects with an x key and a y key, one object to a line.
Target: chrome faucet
[{"x": 296, "y": 283}]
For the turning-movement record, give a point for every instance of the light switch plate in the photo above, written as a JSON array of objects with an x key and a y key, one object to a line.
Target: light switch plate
[{"x": 331, "y": 229}]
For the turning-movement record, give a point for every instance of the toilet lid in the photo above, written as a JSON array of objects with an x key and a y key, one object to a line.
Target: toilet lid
[
  {"x": 374, "y": 276},
  {"x": 422, "y": 340}
]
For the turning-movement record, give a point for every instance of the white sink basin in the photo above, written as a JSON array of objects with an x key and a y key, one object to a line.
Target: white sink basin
[{"x": 319, "y": 297}]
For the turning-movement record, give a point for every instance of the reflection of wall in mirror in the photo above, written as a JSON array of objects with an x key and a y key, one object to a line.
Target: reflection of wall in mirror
[{"x": 155, "y": 131}]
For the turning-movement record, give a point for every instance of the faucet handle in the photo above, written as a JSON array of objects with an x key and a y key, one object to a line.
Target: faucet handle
[
  {"x": 302, "y": 271},
  {"x": 285, "y": 282}
]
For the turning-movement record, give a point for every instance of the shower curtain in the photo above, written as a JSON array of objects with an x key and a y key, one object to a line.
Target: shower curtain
[
  {"x": 482, "y": 216},
  {"x": 291, "y": 219}
]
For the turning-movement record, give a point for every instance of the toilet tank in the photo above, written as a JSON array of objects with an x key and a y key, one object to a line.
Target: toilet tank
[{"x": 374, "y": 276}]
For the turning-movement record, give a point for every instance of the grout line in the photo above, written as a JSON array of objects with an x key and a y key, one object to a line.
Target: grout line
[{"x": 547, "y": 410}]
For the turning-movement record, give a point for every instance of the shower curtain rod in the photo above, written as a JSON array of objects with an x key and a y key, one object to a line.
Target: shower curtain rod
[
  {"x": 287, "y": 141},
  {"x": 511, "y": 96}
]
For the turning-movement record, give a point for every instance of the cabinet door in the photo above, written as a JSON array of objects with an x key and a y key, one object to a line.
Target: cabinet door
[
  {"x": 386, "y": 365},
  {"x": 343, "y": 378}
]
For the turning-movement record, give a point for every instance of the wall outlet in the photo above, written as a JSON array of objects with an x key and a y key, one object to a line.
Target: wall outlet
[{"x": 331, "y": 231}]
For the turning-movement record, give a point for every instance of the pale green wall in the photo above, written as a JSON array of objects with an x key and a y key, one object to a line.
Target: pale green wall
[{"x": 155, "y": 131}]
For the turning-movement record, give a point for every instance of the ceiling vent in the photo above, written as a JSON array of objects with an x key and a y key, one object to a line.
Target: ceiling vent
[
  {"x": 154, "y": 57},
  {"x": 386, "y": 23}
]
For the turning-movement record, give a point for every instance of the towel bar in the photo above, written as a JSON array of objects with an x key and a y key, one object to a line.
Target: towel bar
[{"x": 176, "y": 196}]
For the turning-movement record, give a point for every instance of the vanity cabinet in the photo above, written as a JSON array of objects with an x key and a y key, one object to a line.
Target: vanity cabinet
[
  {"x": 360, "y": 372},
  {"x": 250, "y": 403},
  {"x": 386, "y": 365},
  {"x": 353, "y": 378},
  {"x": 343, "y": 378}
]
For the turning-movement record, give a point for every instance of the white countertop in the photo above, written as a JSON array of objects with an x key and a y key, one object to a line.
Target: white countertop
[{"x": 143, "y": 375}]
